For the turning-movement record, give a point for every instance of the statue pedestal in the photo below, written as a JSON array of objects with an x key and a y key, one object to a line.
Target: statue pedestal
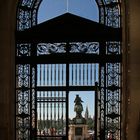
[{"x": 78, "y": 132}]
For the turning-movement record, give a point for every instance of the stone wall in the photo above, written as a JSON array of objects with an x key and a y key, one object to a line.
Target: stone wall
[
  {"x": 134, "y": 70},
  {"x": 7, "y": 28}
]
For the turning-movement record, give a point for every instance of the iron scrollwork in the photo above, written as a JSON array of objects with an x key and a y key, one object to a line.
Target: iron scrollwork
[
  {"x": 27, "y": 3},
  {"x": 113, "y": 48},
  {"x": 50, "y": 48},
  {"x": 23, "y": 50},
  {"x": 25, "y": 78},
  {"x": 87, "y": 47},
  {"x": 113, "y": 98},
  {"x": 23, "y": 21},
  {"x": 23, "y": 101},
  {"x": 113, "y": 75},
  {"x": 110, "y": 77}
]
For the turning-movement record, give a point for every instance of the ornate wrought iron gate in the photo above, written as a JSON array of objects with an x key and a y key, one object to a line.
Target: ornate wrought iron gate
[
  {"x": 109, "y": 118},
  {"x": 43, "y": 89},
  {"x": 46, "y": 72}
]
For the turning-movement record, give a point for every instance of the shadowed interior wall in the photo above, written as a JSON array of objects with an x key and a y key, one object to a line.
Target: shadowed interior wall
[
  {"x": 134, "y": 70},
  {"x": 7, "y": 45},
  {"x": 7, "y": 69}
]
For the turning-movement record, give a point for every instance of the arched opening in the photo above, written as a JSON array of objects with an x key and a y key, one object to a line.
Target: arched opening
[
  {"x": 63, "y": 55},
  {"x": 52, "y": 8}
]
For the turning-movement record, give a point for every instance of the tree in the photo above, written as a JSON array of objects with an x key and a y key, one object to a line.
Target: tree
[{"x": 90, "y": 123}]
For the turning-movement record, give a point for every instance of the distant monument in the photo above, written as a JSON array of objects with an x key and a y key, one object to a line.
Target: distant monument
[
  {"x": 78, "y": 127},
  {"x": 78, "y": 108}
]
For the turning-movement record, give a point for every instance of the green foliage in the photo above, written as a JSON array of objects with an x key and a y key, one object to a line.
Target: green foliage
[
  {"x": 60, "y": 124},
  {"x": 46, "y": 124},
  {"x": 90, "y": 123}
]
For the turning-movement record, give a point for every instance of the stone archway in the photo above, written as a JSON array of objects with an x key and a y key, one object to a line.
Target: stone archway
[
  {"x": 110, "y": 71},
  {"x": 7, "y": 28}
]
